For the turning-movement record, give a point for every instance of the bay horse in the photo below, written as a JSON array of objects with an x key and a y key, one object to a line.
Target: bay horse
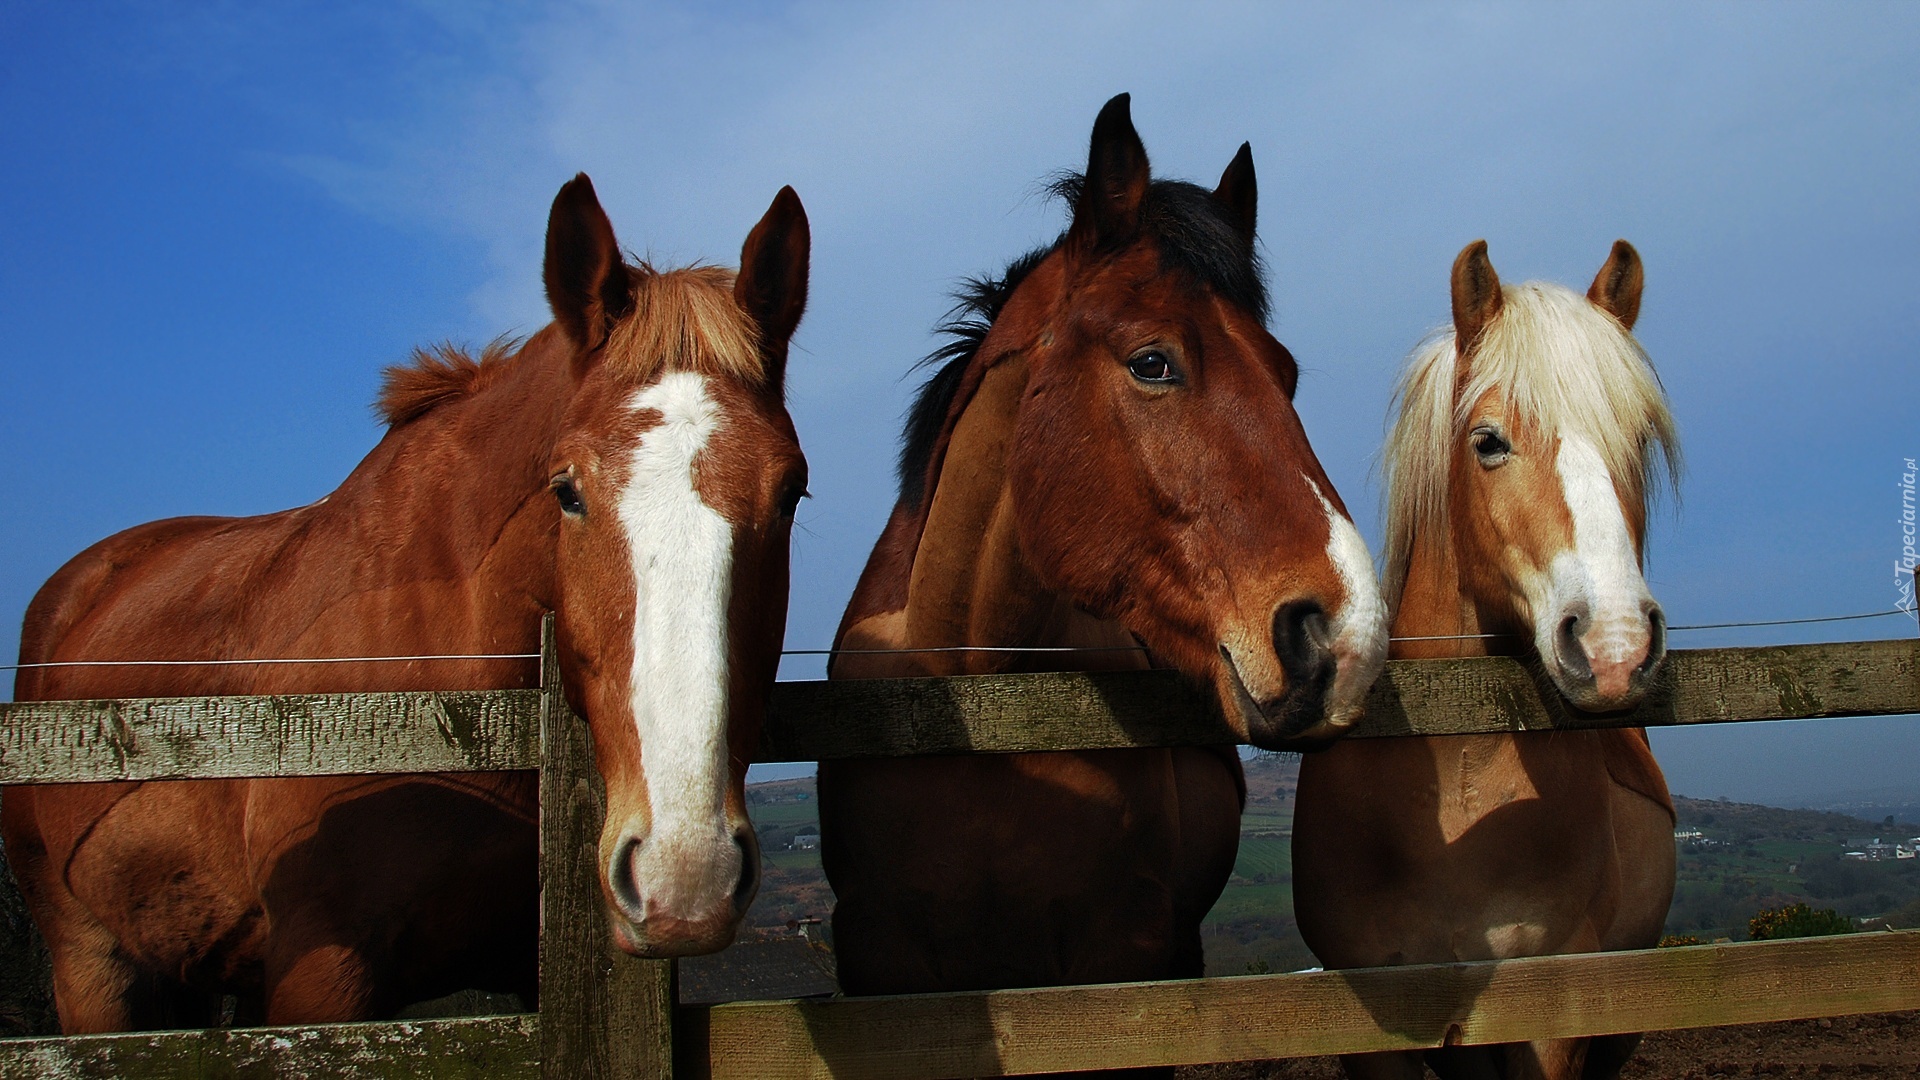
[
  {"x": 633, "y": 469},
  {"x": 1519, "y": 472},
  {"x": 1108, "y": 458}
]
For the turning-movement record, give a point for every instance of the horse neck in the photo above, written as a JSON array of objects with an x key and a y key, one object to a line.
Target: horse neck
[
  {"x": 1433, "y": 603},
  {"x": 454, "y": 485},
  {"x": 971, "y": 584}
]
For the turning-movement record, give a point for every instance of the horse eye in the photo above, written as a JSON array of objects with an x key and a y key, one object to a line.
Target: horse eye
[
  {"x": 1153, "y": 367},
  {"x": 1491, "y": 448},
  {"x": 790, "y": 499},
  {"x": 569, "y": 496}
]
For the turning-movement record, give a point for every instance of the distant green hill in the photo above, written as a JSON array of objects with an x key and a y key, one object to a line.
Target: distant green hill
[
  {"x": 1751, "y": 857},
  {"x": 1748, "y": 857}
]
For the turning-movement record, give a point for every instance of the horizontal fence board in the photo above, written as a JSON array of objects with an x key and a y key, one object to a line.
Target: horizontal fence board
[
  {"x": 817, "y": 721},
  {"x": 1696, "y": 686},
  {"x": 170, "y": 738},
  {"x": 44, "y": 742},
  {"x": 491, "y": 1047},
  {"x": 1087, "y": 710},
  {"x": 1011, "y": 1032}
]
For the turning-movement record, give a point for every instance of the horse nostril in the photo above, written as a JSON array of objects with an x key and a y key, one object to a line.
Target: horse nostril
[
  {"x": 1573, "y": 656},
  {"x": 1656, "y": 640},
  {"x": 1301, "y": 641},
  {"x": 749, "y": 883},
  {"x": 621, "y": 881}
]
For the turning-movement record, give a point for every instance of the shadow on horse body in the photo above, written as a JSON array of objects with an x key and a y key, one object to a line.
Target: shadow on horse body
[
  {"x": 632, "y": 469},
  {"x": 1109, "y": 457},
  {"x": 1519, "y": 473}
]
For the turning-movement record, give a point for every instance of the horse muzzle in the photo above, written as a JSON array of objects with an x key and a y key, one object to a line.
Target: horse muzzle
[
  {"x": 1606, "y": 665},
  {"x": 1293, "y": 719},
  {"x": 679, "y": 896},
  {"x": 1324, "y": 667}
]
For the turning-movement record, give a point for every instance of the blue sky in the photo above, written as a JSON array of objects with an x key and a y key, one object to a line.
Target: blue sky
[{"x": 219, "y": 221}]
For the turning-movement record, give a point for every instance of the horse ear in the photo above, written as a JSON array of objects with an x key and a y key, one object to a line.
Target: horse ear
[
  {"x": 1476, "y": 295},
  {"x": 587, "y": 285},
  {"x": 772, "y": 284},
  {"x": 1238, "y": 192},
  {"x": 1116, "y": 180},
  {"x": 1616, "y": 289}
]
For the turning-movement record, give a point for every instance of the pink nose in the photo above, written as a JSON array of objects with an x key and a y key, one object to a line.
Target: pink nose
[
  {"x": 1609, "y": 664},
  {"x": 680, "y": 917},
  {"x": 1613, "y": 679}
]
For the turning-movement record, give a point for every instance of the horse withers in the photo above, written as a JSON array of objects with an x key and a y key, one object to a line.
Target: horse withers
[
  {"x": 1107, "y": 460},
  {"x": 1519, "y": 471},
  {"x": 633, "y": 469}
]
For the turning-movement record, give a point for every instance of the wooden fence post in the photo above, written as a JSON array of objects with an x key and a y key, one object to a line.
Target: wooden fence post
[{"x": 603, "y": 1014}]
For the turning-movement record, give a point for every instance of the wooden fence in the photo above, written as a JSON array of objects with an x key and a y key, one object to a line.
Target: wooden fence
[{"x": 605, "y": 1014}]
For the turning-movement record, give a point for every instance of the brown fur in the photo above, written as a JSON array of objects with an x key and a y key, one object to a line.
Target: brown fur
[
  {"x": 1069, "y": 505},
  {"x": 1487, "y": 846},
  {"x": 345, "y": 898}
]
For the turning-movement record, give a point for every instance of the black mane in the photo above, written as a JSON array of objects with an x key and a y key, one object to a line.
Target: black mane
[
  {"x": 1196, "y": 237},
  {"x": 976, "y": 303}
]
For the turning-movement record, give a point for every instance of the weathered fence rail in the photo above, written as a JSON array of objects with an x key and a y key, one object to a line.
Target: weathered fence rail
[
  {"x": 607, "y": 1014},
  {"x": 470, "y": 1048},
  {"x": 307, "y": 735},
  {"x": 1268, "y": 1016},
  {"x": 45, "y": 742},
  {"x": 818, "y": 721}
]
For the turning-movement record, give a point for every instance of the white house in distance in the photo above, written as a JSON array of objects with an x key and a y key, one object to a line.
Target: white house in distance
[{"x": 1877, "y": 850}]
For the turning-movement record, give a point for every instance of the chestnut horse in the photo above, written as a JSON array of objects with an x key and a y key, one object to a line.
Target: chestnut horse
[
  {"x": 1108, "y": 459},
  {"x": 631, "y": 469},
  {"x": 1519, "y": 472}
]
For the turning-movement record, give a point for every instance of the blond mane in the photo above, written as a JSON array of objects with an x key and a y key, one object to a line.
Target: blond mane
[
  {"x": 682, "y": 320},
  {"x": 1564, "y": 364}
]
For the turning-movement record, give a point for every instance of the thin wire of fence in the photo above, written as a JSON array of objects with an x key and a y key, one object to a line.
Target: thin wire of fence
[{"x": 854, "y": 652}]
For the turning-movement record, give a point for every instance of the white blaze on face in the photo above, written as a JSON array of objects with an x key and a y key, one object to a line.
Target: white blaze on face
[
  {"x": 1600, "y": 578},
  {"x": 687, "y": 865},
  {"x": 1359, "y": 628}
]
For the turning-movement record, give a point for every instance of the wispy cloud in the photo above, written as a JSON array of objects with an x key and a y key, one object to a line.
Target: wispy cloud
[{"x": 1762, "y": 160}]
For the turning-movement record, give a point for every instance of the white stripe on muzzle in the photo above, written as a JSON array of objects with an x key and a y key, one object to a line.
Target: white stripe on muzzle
[
  {"x": 687, "y": 864},
  {"x": 1359, "y": 627},
  {"x": 1601, "y": 573}
]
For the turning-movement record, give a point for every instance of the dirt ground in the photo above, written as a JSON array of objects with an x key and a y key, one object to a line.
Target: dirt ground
[{"x": 1886, "y": 1045}]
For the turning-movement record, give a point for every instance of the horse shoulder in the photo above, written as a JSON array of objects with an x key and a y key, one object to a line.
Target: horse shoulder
[
  {"x": 1642, "y": 816},
  {"x": 1631, "y": 765},
  {"x": 1212, "y": 791}
]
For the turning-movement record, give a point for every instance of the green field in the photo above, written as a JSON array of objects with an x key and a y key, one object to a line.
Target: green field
[
  {"x": 792, "y": 862},
  {"x": 1263, "y": 860}
]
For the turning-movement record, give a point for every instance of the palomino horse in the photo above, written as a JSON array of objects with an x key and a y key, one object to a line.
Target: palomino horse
[
  {"x": 632, "y": 469},
  {"x": 1518, "y": 474},
  {"x": 1108, "y": 459}
]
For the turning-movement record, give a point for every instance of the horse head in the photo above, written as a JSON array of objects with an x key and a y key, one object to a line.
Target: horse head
[
  {"x": 1526, "y": 443},
  {"x": 676, "y": 476},
  {"x": 1123, "y": 424}
]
